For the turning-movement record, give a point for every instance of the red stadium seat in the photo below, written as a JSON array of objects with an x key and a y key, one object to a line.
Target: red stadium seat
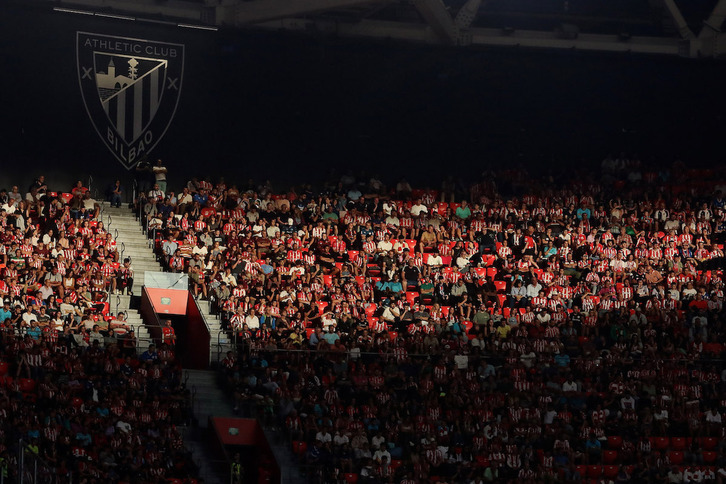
[
  {"x": 609, "y": 456},
  {"x": 615, "y": 442},
  {"x": 322, "y": 305},
  {"x": 26, "y": 385},
  {"x": 4, "y": 367},
  {"x": 594, "y": 472},
  {"x": 351, "y": 478},
  {"x": 675, "y": 457},
  {"x": 709, "y": 457},
  {"x": 709, "y": 443},
  {"x": 660, "y": 443},
  {"x": 371, "y": 309},
  {"x": 501, "y": 286},
  {"x": 610, "y": 471},
  {"x": 678, "y": 443},
  {"x": 299, "y": 447}
]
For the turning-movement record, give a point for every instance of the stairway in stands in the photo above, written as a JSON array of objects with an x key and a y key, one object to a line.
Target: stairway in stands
[
  {"x": 133, "y": 243},
  {"x": 209, "y": 399}
]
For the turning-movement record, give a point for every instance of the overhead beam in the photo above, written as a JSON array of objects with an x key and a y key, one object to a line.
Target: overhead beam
[
  {"x": 414, "y": 32},
  {"x": 245, "y": 13},
  {"x": 715, "y": 20},
  {"x": 177, "y": 9},
  {"x": 678, "y": 19},
  {"x": 467, "y": 14},
  {"x": 437, "y": 16}
]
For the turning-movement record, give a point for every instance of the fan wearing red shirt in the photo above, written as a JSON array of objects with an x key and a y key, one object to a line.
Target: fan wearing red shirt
[{"x": 168, "y": 335}]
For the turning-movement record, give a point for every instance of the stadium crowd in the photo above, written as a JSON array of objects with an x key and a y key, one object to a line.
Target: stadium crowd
[
  {"x": 73, "y": 390},
  {"x": 521, "y": 329}
]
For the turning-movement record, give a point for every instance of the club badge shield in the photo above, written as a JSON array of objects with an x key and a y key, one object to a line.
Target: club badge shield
[{"x": 131, "y": 90}]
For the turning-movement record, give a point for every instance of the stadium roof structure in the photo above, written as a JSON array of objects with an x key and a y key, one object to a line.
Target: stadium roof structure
[{"x": 686, "y": 28}]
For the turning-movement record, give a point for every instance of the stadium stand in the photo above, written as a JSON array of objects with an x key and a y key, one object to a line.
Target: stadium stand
[
  {"x": 521, "y": 329},
  {"x": 74, "y": 393},
  {"x": 534, "y": 330}
]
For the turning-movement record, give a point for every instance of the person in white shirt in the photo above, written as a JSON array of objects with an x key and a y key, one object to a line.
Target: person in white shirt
[
  {"x": 692, "y": 475},
  {"x": 328, "y": 320},
  {"x": 388, "y": 207},
  {"x": 435, "y": 260},
  {"x": 324, "y": 436},
  {"x": 385, "y": 245},
  {"x": 533, "y": 288},
  {"x": 339, "y": 439},
  {"x": 418, "y": 208},
  {"x": 393, "y": 219},
  {"x": 252, "y": 321},
  {"x": 569, "y": 386},
  {"x": 380, "y": 454},
  {"x": 160, "y": 172}
]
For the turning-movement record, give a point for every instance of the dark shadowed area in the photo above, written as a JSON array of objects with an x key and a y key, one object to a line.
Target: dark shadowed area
[{"x": 292, "y": 108}]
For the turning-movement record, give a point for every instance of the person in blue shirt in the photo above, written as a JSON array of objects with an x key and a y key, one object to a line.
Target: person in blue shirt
[
  {"x": 5, "y": 312},
  {"x": 331, "y": 338},
  {"x": 583, "y": 210},
  {"x": 34, "y": 330},
  {"x": 562, "y": 360},
  {"x": 150, "y": 354}
]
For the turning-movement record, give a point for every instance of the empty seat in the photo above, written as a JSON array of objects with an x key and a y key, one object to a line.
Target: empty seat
[
  {"x": 615, "y": 442},
  {"x": 610, "y": 471},
  {"x": 609, "y": 456},
  {"x": 709, "y": 457},
  {"x": 709, "y": 443},
  {"x": 678, "y": 443},
  {"x": 660, "y": 443},
  {"x": 676, "y": 457},
  {"x": 593, "y": 472}
]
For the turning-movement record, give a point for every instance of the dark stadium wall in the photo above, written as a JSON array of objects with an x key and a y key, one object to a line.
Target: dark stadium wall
[{"x": 290, "y": 108}]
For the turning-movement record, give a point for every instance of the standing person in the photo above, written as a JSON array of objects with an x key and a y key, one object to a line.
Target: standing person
[
  {"x": 125, "y": 278},
  {"x": 144, "y": 176},
  {"x": 168, "y": 334},
  {"x": 237, "y": 469},
  {"x": 160, "y": 175}
]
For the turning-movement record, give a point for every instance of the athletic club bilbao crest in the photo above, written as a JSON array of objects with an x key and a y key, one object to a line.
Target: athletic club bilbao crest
[{"x": 131, "y": 89}]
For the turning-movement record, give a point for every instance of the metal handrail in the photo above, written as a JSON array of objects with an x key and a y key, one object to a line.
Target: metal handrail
[
  {"x": 123, "y": 249},
  {"x": 141, "y": 221},
  {"x": 118, "y": 302},
  {"x": 33, "y": 478}
]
